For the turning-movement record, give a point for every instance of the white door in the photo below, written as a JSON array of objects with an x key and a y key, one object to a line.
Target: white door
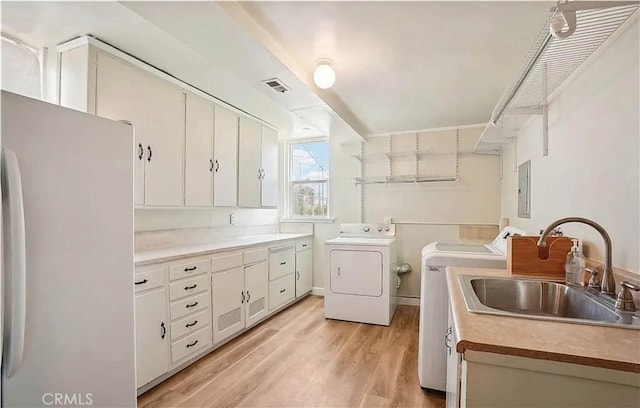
[
  {"x": 225, "y": 176},
  {"x": 199, "y": 165},
  {"x": 120, "y": 95},
  {"x": 152, "y": 336},
  {"x": 256, "y": 281},
  {"x": 269, "y": 186},
  {"x": 304, "y": 272},
  {"x": 228, "y": 303},
  {"x": 356, "y": 272},
  {"x": 165, "y": 142},
  {"x": 249, "y": 163}
]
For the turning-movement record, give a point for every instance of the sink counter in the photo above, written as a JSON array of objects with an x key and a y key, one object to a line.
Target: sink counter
[
  {"x": 597, "y": 346},
  {"x": 168, "y": 253}
]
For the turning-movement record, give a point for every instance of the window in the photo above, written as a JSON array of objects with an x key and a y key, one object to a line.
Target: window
[
  {"x": 21, "y": 68},
  {"x": 309, "y": 179}
]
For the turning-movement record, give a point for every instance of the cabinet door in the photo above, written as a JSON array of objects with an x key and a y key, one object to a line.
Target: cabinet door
[
  {"x": 249, "y": 167},
  {"x": 225, "y": 177},
  {"x": 120, "y": 95},
  {"x": 152, "y": 337},
  {"x": 256, "y": 281},
  {"x": 199, "y": 165},
  {"x": 269, "y": 186},
  {"x": 165, "y": 142},
  {"x": 453, "y": 366},
  {"x": 228, "y": 303},
  {"x": 304, "y": 272}
]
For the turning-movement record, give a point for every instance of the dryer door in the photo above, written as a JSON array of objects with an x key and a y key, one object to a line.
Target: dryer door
[{"x": 356, "y": 272}]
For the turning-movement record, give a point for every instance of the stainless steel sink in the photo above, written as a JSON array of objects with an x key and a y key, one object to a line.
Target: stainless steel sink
[{"x": 542, "y": 300}]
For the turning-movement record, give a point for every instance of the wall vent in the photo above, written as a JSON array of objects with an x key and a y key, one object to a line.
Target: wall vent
[{"x": 277, "y": 85}]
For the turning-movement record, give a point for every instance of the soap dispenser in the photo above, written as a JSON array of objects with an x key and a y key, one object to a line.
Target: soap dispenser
[{"x": 575, "y": 266}]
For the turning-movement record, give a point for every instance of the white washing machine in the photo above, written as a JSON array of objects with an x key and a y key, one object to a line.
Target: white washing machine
[
  {"x": 434, "y": 298},
  {"x": 360, "y": 279}
]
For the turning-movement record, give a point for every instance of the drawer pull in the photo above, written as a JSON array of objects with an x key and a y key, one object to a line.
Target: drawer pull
[
  {"x": 191, "y": 324},
  {"x": 195, "y": 285},
  {"x": 142, "y": 282},
  {"x": 283, "y": 263},
  {"x": 194, "y": 304},
  {"x": 164, "y": 330},
  {"x": 193, "y": 268},
  {"x": 192, "y": 344},
  {"x": 304, "y": 245},
  {"x": 282, "y": 291}
]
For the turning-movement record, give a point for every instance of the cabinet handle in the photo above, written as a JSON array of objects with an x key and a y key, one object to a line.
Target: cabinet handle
[
  {"x": 190, "y": 269},
  {"x": 338, "y": 271},
  {"x": 248, "y": 297},
  {"x": 282, "y": 291},
  {"x": 298, "y": 275},
  {"x": 142, "y": 282},
  {"x": 191, "y": 324},
  {"x": 217, "y": 165},
  {"x": 194, "y": 304},
  {"x": 150, "y": 153},
  {"x": 191, "y": 287},
  {"x": 242, "y": 293},
  {"x": 259, "y": 174},
  {"x": 447, "y": 339},
  {"x": 140, "y": 151},
  {"x": 283, "y": 263},
  {"x": 211, "y": 165},
  {"x": 304, "y": 245},
  {"x": 164, "y": 330},
  {"x": 192, "y": 344}
]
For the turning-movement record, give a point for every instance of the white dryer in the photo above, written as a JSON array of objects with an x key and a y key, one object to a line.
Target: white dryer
[
  {"x": 434, "y": 298},
  {"x": 361, "y": 279}
]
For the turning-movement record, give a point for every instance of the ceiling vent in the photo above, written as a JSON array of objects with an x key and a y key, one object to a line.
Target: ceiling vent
[{"x": 277, "y": 85}]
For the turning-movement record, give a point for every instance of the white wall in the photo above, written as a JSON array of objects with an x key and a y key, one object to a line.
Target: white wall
[
  {"x": 154, "y": 220},
  {"x": 474, "y": 199},
  {"x": 593, "y": 163}
]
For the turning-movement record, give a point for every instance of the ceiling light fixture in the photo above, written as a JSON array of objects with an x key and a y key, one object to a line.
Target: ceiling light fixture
[{"x": 324, "y": 76}]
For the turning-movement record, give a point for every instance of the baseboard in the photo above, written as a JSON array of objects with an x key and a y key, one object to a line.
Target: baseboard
[
  {"x": 408, "y": 301},
  {"x": 317, "y": 291}
]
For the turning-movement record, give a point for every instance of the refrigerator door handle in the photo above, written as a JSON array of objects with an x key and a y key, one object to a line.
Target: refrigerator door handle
[{"x": 15, "y": 263}]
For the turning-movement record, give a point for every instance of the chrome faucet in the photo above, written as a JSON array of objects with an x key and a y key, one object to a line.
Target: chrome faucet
[{"x": 608, "y": 282}]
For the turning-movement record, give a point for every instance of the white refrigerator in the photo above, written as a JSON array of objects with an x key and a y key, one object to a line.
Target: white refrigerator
[{"x": 67, "y": 257}]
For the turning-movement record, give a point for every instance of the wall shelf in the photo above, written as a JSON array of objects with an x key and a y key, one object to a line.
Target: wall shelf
[
  {"x": 404, "y": 179},
  {"x": 549, "y": 63}
]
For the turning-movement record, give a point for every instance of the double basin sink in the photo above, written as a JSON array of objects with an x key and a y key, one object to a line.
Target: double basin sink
[{"x": 543, "y": 300}]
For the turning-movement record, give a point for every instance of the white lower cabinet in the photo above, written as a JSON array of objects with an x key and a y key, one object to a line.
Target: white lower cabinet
[
  {"x": 228, "y": 303},
  {"x": 256, "y": 278},
  {"x": 281, "y": 291},
  {"x": 304, "y": 268},
  {"x": 152, "y": 338}
]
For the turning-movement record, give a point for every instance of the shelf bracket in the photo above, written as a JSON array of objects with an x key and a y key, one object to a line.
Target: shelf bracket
[{"x": 525, "y": 110}]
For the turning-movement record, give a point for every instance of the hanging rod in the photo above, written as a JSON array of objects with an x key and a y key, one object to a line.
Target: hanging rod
[{"x": 404, "y": 180}]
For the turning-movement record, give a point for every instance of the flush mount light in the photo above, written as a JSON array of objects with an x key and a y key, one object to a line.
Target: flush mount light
[{"x": 324, "y": 76}]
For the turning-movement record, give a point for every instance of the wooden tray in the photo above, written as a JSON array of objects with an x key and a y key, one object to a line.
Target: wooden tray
[{"x": 524, "y": 257}]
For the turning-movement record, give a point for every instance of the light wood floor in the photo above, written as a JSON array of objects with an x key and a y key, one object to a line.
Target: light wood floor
[{"x": 299, "y": 359}]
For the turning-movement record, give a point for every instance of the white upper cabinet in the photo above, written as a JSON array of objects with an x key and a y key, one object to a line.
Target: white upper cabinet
[
  {"x": 165, "y": 143},
  {"x": 249, "y": 168},
  {"x": 199, "y": 158},
  {"x": 225, "y": 176},
  {"x": 269, "y": 187},
  {"x": 120, "y": 95}
]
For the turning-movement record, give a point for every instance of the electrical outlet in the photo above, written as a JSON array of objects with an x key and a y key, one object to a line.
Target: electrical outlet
[{"x": 232, "y": 219}]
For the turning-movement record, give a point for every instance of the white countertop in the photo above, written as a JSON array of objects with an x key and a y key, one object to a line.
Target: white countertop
[{"x": 155, "y": 255}]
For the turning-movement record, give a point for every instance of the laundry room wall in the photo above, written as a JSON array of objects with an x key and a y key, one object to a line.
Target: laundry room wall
[{"x": 593, "y": 163}]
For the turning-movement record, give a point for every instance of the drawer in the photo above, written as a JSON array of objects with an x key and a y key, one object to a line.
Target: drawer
[
  {"x": 226, "y": 261},
  {"x": 149, "y": 279},
  {"x": 190, "y": 305},
  {"x": 304, "y": 245},
  {"x": 281, "y": 291},
  {"x": 195, "y": 267},
  {"x": 190, "y": 345},
  {"x": 282, "y": 263},
  {"x": 189, "y": 286},
  {"x": 255, "y": 255},
  {"x": 190, "y": 324}
]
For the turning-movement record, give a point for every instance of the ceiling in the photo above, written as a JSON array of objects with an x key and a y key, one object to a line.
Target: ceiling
[{"x": 400, "y": 65}]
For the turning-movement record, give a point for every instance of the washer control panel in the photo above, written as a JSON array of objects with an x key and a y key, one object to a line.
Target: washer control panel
[{"x": 368, "y": 230}]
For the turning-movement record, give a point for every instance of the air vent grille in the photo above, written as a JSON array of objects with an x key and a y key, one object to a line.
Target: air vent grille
[
  {"x": 229, "y": 319},
  {"x": 277, "y": 85}
]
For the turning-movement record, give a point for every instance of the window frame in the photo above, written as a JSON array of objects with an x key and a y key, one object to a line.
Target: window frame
[{"x": 288, "y": 211}]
